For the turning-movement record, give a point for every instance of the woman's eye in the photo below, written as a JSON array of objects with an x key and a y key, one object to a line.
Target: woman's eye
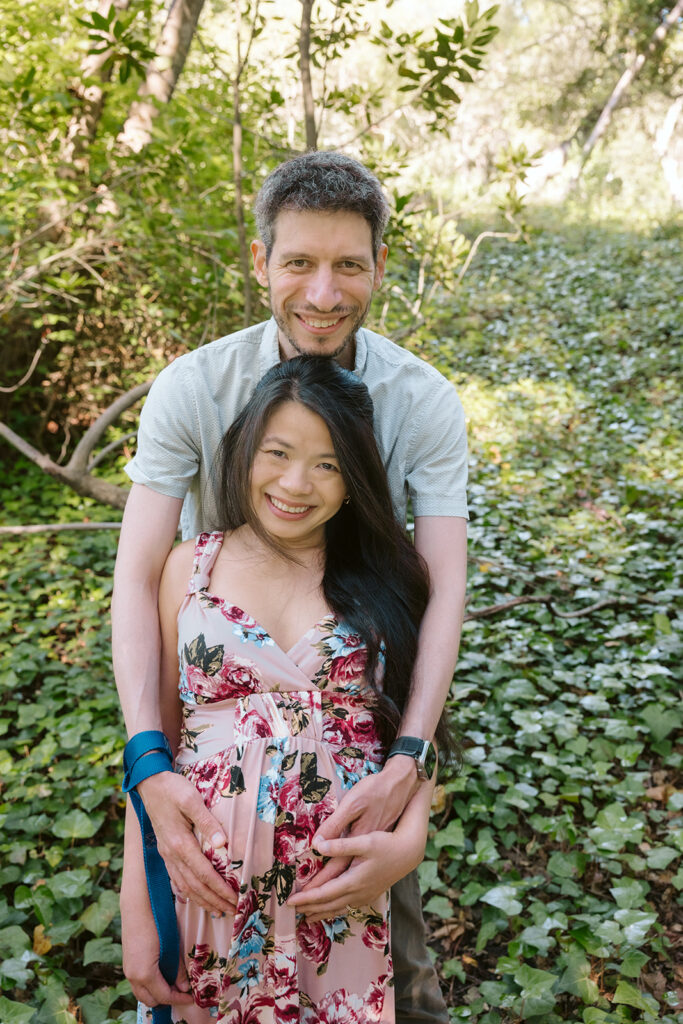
[
  {"x": 276, "y": 452},
  {"x": 328, "y": 465}
]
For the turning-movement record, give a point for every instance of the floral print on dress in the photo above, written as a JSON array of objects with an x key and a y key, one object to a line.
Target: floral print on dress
[{"x": 272, "y": 740}]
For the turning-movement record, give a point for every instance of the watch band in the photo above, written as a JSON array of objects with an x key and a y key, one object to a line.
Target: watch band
[{"x": 422, "y": 752}]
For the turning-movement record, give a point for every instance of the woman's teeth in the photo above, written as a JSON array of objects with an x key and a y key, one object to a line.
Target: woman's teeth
[{"x": 288, "y": 508}]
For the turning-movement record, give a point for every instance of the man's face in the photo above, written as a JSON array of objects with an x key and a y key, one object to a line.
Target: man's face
[{"x": 320, "y": 276}]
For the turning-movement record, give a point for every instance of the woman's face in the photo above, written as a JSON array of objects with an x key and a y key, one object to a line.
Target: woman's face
[{"x": 296, "y": 483}]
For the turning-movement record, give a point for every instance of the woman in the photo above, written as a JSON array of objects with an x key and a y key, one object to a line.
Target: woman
[{"x": 279, "y": 717}]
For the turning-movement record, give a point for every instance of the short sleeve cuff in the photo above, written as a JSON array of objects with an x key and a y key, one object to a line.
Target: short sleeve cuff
[
  {"x": 440, "y": 505},
  {"x": 170, "y": 488}
]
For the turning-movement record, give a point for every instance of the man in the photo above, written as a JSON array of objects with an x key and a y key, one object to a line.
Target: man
[{"x": 321, "y": 218}]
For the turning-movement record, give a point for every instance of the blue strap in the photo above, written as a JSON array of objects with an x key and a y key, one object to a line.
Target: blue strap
[{"x": 149, "y": 753}]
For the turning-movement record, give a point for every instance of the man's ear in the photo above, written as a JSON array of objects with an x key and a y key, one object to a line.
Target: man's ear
[
  {"x": 258, "y": 252},
  {"x": 380, "y": 265}
]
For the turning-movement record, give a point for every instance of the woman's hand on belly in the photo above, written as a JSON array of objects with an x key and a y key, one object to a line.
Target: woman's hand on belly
[{"x": 377, "y": 861}]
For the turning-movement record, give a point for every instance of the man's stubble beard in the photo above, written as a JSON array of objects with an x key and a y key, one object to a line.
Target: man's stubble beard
[{"x": 348, "y": 340}]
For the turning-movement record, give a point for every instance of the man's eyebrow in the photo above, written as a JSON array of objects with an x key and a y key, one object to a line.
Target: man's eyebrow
[{"x": 271, "y": 439}]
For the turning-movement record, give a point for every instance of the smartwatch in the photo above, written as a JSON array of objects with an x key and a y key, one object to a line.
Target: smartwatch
[{"x": 422, "y": 752}]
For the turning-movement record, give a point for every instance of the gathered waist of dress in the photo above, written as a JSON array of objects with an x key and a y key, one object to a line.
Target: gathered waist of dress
[{"x": 341, "y": 720}]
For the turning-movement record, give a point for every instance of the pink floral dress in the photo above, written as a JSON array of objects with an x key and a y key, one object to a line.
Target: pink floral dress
[{"x": 272, "y": 739}]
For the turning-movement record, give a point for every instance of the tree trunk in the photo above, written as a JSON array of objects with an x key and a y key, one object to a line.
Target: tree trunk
[
  {"x": 305, "y": 69},
  {"x": 671, "y": 167},
  {"x": 83, "y": 124},
  {"x": 624, "y": 83},
  {"x": 237, "y": 172},
  {"x": 162, "y": 74}
]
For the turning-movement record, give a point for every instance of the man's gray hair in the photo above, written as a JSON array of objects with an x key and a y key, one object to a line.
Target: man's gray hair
[{"x": 326, "y": 182}]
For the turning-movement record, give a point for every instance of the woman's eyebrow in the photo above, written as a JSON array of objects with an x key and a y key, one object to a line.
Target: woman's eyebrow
[{"x": 271, "y": 439}]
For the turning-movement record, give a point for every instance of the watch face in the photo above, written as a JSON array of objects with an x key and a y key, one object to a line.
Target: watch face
[{"x": 430, "y": 761}]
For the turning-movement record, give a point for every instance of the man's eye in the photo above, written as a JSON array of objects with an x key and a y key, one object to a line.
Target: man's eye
[{"x": 298, "y": 264}]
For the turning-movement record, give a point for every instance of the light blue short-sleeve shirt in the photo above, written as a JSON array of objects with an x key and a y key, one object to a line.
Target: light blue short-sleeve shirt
[{"x": 418, "y": 419}]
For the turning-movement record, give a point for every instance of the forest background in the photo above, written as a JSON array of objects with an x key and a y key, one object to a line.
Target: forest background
[{"x": 532, "y": 153}]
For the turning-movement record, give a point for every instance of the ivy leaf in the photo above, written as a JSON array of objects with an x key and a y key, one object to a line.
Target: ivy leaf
[
  {"x": 628, "y": 995},
  {"x": 15, "y": 1013},
  {"x": 441, "y": 906},
  {"x": 635, "y": 925},
  {"x": 98, "y": 916},
  {"x": 503, "y": 897},
  {"x": 577, "y": 978},
  {"x": 537, "y": 990},
  {"x": 101, "y": 951},
  {"x": 77, "y": 825},
  {"x": 453, "y": 835},
  {"x": 67, "y": 885}
]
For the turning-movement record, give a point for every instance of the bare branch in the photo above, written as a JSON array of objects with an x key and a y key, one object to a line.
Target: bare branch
[
  {"x": 546, "y": 599},
  {"x": 109, "y": 448},
  {"x": 14, "y": 531},
  {"x": 655, "y": 42},
  {"x": 77, "y": 472},
  {"x": 512, "y": 236},
  {"x": 79, "y": 460},
  {"x": 34, "y": 362}
]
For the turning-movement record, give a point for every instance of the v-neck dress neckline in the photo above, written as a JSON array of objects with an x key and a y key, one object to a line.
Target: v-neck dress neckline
[{"x": 206, "y": 553}]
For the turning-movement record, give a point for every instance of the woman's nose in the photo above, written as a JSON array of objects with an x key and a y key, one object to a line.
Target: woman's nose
[{"x": 295, "y": 479}]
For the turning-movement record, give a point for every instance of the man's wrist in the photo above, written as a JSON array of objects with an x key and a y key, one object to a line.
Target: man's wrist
[{"x": 420, "y": 751}]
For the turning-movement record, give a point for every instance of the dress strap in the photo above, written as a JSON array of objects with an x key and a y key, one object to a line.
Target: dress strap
[{"x": 205, "y": 554}]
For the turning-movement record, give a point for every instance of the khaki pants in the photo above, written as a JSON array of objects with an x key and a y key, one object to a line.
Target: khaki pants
[{"x": 418, "y": 996}]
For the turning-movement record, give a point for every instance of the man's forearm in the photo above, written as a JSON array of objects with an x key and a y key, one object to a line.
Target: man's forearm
[
  {"x": 443, "y": 545},
  {"x": 148, "y": 530},
  {"x": 136, "y": 655},
  {"x": 433, "y": 672}
]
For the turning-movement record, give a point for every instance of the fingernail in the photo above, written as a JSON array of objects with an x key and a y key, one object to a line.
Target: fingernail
[
  {"x": 321, "y": 845},
  {"x": 217, "y": 839}
]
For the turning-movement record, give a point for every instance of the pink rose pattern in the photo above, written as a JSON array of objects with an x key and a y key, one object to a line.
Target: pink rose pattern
[{"x": 270, "y": 740}]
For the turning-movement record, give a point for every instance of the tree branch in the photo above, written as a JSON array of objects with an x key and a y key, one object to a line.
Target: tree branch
[
  {"x": 14, "y": 531},
  {"x": 77, "y": 472},
  {"x": 656, "y": 40},
  {"x": 546, "y": 599},
  {"x": 79, "y": 460},
  {"x": 34, "y": 362}
]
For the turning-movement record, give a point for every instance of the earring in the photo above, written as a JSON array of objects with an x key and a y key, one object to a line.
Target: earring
[{"x": 347, "y": 500}]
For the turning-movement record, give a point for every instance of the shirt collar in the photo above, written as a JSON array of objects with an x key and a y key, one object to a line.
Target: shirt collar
[{"x": 269, "y": 353}]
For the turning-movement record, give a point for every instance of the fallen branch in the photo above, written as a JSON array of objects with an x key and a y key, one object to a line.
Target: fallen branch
[
  {"x": 13, "y": 531},
  {"x": 549, "y": 602}
]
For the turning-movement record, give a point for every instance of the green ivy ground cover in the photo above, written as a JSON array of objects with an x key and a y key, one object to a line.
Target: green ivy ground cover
[{"x": 554, "y": 874}]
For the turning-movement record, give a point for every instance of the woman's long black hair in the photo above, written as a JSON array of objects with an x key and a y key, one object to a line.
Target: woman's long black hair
[{"x": 374, "y": 579}]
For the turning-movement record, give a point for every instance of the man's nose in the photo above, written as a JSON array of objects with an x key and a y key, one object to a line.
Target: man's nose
[{"x": 322, "y": 290}]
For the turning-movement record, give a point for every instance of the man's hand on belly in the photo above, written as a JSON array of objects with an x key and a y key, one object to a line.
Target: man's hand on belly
[{"x": 176, "y": 809}]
